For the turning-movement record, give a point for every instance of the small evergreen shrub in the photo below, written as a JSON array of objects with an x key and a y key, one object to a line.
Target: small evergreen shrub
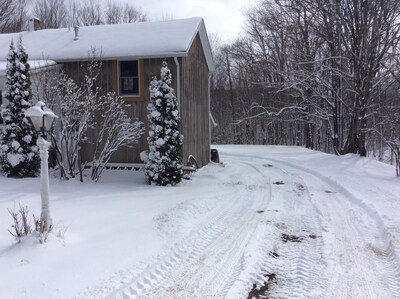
[
  {"x": 164, "y": 165},
  {"x": 19, "y": 153}
]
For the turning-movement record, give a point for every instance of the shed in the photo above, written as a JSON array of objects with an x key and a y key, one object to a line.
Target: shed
[{"x": 132, "y": 54}]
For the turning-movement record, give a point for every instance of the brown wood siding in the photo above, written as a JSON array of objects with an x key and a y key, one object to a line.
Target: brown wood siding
[
  {"x": 136, "y": 109},
  {"x": 195, "y": 105}
]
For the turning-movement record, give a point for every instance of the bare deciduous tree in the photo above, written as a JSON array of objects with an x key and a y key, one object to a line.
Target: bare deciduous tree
[
  {"x": 52, "y": 13},
  {"x": 118, "y": 13},
  {"x": 89, "y": 13},
  {"x": 116, "y": 129},
  {"x": 79, "y": 105},
  {"x": 310, "y": 73},
  {"x": 13, "y": 15}
]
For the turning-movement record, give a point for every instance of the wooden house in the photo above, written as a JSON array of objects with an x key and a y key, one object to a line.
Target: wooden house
[{"x": 132, "y": 54}]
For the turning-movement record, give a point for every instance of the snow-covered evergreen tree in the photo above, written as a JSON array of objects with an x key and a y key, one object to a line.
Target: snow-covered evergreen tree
[
  {"x": 164, "y": 165},
  {"x": 20, "y": 156}
]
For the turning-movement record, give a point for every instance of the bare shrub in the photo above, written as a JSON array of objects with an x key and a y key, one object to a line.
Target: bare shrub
[{"x": 22, "y": 225}]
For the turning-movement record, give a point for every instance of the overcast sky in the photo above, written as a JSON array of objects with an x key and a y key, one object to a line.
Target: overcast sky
[{"x": 224, "y": 17}]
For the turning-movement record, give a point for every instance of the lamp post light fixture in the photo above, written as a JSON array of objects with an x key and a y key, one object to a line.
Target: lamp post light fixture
[{"x": 42, "y": 119}]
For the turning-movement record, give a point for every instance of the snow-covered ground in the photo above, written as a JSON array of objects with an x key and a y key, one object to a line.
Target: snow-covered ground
[{"x": 314, "y": 225}]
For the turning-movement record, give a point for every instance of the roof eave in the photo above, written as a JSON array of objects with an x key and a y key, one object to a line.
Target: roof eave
[{"x": 128, "y": 57}]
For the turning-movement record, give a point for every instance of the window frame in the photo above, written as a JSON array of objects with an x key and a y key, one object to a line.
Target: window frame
[{"x": 139, "y": 79}]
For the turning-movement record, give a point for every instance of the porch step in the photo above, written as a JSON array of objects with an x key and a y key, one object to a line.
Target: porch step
[{"x": 125, "y": 166}]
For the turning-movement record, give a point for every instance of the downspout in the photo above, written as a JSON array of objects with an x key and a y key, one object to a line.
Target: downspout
[
  {"x": 178, "y": 83},
  {"x": 178, "y": 95},
  {"x": 209, "y": 113}
]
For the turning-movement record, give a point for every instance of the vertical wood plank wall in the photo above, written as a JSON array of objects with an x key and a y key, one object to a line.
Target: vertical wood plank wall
[{"x": 194, "y": 103}]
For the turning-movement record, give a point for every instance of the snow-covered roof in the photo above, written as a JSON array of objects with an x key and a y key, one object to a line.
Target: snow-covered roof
[
  {"x": 119, "y": 41},
  {"x": 34, "y": 65}
]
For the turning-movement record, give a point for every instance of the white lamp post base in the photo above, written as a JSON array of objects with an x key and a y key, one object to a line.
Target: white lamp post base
[
  {"x": 42, "y": 119},
  {"x": 45, "y": 218}
]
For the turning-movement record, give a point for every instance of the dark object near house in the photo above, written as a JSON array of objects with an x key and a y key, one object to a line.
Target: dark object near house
[
  {"x": 191, "y": 162},
  {"x": 214, "y": 155},
  {"x": 191, "y": 166}
]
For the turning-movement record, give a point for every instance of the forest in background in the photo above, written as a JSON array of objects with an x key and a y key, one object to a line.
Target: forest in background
[
  {"x": 14, "y": 14},
  {"x": 314, "y": 73}
]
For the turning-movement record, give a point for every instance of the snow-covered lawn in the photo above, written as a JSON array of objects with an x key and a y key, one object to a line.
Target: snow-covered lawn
[{"x": 316, "y": 225}]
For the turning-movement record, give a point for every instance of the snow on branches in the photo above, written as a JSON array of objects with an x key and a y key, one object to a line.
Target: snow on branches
[
  {"x": 116, "y": 129},
  {"x": 74, "y": 103},
  {"x": 164, "y": 165},
  {"x": 19, "y": 153},
  {"x": 84, "y": 110}
]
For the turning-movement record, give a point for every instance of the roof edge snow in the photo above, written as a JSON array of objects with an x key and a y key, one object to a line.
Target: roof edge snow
[
  {"x": 159, "y": 39},
  {"x": 129, "y": 57},
  {"x": 201, "y": 30},
  {"x": 35, "y": 65}
]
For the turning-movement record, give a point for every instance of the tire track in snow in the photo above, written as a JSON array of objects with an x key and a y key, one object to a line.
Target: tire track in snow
[
  {"x": 145, "y": 274},
  {"x": 298, "y": 267},
  {"x": 367, "y": 244},
  {"x": 206, "y": 262},
  {"x": 359, "y": 238}
]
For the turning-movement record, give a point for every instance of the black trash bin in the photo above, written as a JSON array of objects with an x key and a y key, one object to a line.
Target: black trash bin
[{"x": 214, "y": 155}]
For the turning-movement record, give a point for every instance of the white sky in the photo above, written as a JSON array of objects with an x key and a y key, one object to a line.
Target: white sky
[{"x": 224, "y": 17}]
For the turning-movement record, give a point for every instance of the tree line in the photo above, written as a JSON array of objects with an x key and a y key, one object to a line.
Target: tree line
[
  {"x": 314, "y": 73},
  {"x": 14, "y": 14}
]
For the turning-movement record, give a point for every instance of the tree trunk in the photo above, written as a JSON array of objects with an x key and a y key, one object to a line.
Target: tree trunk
[
  {"x": 352, "y": 144},
  {"x": 231, "y": 99}
]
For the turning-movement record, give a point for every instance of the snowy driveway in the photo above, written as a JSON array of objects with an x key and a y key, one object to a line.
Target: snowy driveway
[{"x": 311, "y": 225}]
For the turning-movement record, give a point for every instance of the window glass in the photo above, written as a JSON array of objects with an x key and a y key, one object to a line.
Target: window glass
[{"x": 129, "y": 77}]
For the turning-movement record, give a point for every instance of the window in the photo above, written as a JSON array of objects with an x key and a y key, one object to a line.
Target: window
[{"x": 129, "y": 78}]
